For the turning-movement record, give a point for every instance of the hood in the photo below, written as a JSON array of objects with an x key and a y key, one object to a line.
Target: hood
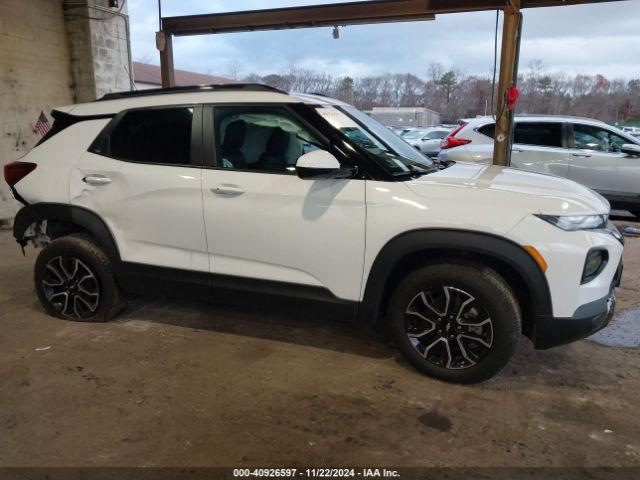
[{"x": 509, "y": 187}]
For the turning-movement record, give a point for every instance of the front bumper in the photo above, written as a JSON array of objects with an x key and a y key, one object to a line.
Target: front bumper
[{"x": 589, "y": 318}]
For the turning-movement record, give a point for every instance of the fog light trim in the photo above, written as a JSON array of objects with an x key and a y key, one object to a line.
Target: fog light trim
[{"x": 590, "y": 272}]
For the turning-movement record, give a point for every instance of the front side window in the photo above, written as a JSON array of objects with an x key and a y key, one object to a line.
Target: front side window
[
  {"x": 158, "y": 135},
  {"x": 263, "y": 139},
  {"x": 587, "y": 137},
  {"x": 377, "y": 141},
  {"x": 543, "y": 134}
]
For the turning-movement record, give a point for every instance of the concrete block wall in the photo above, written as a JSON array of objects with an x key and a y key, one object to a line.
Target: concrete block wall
[
  {"x": 99, "y": 48},
  {"x": 52, "y": 53},
  {"x": 35, "y": 76}
]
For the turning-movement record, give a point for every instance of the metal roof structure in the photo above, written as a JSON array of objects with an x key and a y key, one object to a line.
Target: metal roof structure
[{"x": 370, "y": 12}]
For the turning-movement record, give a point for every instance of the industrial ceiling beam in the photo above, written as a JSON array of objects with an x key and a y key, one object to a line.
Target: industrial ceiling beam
[
  {"x": 368, "y": 12},
  {"x": 351, "y": 13}
]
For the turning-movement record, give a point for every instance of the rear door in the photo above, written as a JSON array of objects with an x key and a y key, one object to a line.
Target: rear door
[
  {"x": 268, "y": 230},
  {"x": 540, "y": 147},
  {"x": 596, "y": 161},
  {"x": 143, "y": 176}
]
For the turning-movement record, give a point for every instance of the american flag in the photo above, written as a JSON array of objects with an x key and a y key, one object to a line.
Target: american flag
[{"x": 43, "y": 125}]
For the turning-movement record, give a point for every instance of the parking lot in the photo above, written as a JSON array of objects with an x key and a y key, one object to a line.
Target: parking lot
[{"x": 191, "y": 384}]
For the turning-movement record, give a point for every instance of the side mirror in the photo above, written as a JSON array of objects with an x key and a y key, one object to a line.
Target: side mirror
[
  {"x": 321, "y": 164},
  {"x": 631, "y": 149}
]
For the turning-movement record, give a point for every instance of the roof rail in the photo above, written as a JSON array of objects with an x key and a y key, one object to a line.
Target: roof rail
[
  {"x": 248, "y": 87},
  {"x": 551, "y": 115}
]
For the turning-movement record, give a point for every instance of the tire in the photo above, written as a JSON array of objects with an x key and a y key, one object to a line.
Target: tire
[
  {"x": 75, "y": 281},
  {"x": 469, "y": 339}
]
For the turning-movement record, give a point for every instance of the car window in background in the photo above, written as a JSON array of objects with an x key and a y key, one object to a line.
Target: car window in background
[
  {"x": 365, "y": 132},
  {"x": 488, "y": 130},
  {"x": 543, "y": 134},
  {"x": 413, "y": 134},
  {"x": 435, "y": 135},
  {"x": 588, "y": 137}
]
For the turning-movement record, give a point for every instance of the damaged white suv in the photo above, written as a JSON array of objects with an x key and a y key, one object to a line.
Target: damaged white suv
[{"x": 245, "y": 194}]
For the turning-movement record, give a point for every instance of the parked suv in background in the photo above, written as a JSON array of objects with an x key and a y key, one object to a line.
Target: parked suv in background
[
  {"x": 245, "y": 194},
  {"x": 588, "y": 151}
]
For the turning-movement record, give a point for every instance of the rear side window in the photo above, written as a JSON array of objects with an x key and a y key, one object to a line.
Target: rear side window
[
  {"x": 530, "y": 133},
  {"x": 539, "y": 134},
  {"x": 159, "y": 135}
]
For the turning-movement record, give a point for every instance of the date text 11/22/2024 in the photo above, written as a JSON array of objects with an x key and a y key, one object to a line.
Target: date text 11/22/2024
[{"x": 316, "y": 473}]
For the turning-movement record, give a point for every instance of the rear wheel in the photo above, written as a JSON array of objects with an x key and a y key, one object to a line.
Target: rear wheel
[
  {"x": 74, "y": 280},
  {"x": 456, "y": 322}
]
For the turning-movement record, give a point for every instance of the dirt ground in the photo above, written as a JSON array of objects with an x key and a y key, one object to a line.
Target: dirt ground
[{"x": 176, "y": 383}]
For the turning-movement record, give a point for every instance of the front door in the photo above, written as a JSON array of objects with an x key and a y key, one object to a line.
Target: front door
[
  {"x": 268, "y": 230},
  {"x": 598, "y": 163}
]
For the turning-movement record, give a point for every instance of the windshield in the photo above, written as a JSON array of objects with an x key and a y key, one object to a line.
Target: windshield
[{"x": 378, "y": 141}]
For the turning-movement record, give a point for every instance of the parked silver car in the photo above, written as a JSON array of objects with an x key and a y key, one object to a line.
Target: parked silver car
[
  {"x": 427, "y": 140},
  {"x": 588, "y": 151}
]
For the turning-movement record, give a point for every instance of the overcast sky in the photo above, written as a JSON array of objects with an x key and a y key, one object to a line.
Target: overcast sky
[{"x": 590, "y": 39}]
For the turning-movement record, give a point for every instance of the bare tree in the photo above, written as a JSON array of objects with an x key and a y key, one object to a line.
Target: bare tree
[{"x": 457, "y": 95}]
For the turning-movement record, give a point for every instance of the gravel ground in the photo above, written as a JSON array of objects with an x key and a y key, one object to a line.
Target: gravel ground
[{"x": 177, "y": 383}]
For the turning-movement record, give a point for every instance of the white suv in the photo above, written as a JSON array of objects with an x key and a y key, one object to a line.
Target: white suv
[
  {"x": 588, "y": 151},
  {"x": 245, "y": 194}
]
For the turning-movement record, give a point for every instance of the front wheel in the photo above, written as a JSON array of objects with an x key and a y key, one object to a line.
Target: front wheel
[{"x": 456, "y": 322}]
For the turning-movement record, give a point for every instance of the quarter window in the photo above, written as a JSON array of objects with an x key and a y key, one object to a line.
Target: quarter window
[
  {"x": 587, "y": 137},
  {"x": 488, "y": 130},
  {"x": 263, "y": 139},
  {"x": 159, "y": 135}
]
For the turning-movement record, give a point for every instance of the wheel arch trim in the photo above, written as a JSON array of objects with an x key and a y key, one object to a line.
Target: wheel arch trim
[
  {"x": 414, "y": 242},
  {"x": 80, "y": 216}
]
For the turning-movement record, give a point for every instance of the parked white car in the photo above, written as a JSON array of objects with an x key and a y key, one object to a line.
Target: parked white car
[
  {"x": 245, "y": 194},
  {"x": 588, "y": 151},
  {"x": 427, "y": 140}
]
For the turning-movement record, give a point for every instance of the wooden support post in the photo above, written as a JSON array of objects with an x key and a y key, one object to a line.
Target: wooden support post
[
  {"x": 164, "y": 43},
  {"x": 503, "y": 138}
]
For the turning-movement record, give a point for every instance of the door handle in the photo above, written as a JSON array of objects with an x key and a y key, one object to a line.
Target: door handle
[
  {"x": 516, "y": 150},
  {"x": 581, "y": 155},
  {"x": 228, "y": 190},
  {"x": 96, "y": 180}
]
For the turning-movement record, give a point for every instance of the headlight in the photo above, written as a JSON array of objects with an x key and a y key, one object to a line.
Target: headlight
[{"x": 576, "y": 222}]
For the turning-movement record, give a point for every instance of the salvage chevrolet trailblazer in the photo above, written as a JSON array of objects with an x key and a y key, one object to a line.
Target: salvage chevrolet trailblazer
[{"x": 248, "y": 195}]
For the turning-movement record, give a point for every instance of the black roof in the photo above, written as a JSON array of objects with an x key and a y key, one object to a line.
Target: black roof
[{"x": 247, "y": 87}]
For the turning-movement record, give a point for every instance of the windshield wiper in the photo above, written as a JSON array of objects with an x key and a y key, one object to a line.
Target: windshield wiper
[{"x": 415, "y": 172}]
